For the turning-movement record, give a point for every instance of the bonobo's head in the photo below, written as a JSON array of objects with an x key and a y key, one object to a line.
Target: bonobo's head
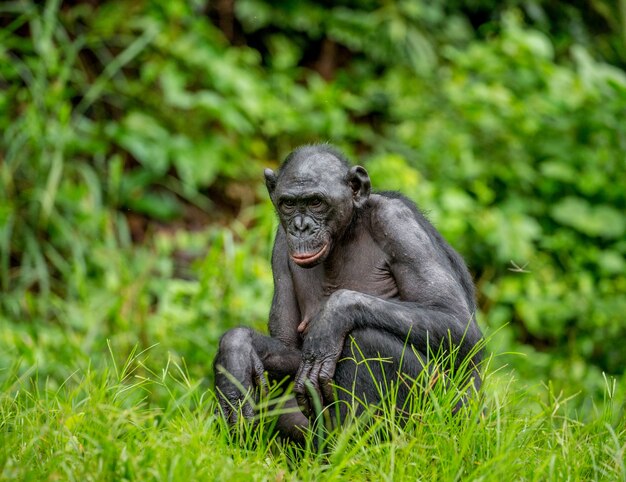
[{"x": 316, "y": 194}]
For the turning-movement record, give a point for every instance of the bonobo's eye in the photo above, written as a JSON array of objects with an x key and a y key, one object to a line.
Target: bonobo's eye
[
  {"x": 287, "y": 205},
  {"x": 316, "y": 204}
]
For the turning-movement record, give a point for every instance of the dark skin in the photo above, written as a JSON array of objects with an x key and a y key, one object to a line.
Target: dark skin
[{"x": 350, "y": 267}]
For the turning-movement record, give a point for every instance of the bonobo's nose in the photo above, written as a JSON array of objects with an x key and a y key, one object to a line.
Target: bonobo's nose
[{"x": 302, "y": 225}]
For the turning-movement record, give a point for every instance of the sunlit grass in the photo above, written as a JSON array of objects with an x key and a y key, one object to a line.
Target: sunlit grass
[{"x": 128, "y": 422}]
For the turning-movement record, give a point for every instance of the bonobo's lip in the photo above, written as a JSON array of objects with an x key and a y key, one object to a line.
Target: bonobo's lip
[{"x": 307, "y": 259}]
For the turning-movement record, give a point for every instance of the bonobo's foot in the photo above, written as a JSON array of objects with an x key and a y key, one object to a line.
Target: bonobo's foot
[{"x": 238, "y": 375}]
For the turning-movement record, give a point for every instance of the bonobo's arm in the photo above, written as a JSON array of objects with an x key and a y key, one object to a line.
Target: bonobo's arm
[
  {"x": 284, "y": 313},
  {"x": 432, "y": 308},
  {"x": 281, "y": 354},
  {"x": 244, "y": 356}
]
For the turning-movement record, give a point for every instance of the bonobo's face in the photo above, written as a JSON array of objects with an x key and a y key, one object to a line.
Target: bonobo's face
[{"x": 315, "y": 196}]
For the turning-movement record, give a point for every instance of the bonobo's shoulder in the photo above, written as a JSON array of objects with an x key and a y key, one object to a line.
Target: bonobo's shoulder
[
  {"x": 393, "y": 206},
  {"x": 396, "y": 219}
]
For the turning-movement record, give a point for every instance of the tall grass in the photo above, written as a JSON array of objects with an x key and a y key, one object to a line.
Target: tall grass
[{"x": 127, "y": 422}]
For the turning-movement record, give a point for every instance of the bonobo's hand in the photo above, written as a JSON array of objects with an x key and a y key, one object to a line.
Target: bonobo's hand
[
  {"x": 238, "y": 375},
  {"x": 322, "y": 346}
]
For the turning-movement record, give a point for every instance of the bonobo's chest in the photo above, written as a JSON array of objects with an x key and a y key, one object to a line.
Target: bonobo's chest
[{"x": 360, "y": 265}]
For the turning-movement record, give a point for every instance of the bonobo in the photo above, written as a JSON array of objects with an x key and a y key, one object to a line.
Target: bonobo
[{"x": 351, "y": 268}]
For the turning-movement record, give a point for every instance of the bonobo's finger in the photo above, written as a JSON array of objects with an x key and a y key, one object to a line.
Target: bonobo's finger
[
  {"x": 325, "y": 381},
  {"x": 313, "y": 388},
  {"x": 247, "y": 411},
  {"x": 261, "y": 382},
  {"x": 303, "y": 404},
  {"x": 228, "y": 410},
  {"x": 258, "y": 373},
  {"x": 314, "y": 398},
  {"x": 299, "y": 389},
  {"x": 301, "y": 375}
]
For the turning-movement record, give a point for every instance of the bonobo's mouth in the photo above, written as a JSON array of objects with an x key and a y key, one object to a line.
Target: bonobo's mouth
[{"x": 308, "y": 259}]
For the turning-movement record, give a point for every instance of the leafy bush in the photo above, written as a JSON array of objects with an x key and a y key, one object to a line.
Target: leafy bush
[{"x": 128, "y": 128}]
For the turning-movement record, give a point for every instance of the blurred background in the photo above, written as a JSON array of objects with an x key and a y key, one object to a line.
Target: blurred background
[{"x": 133, "y": 135}]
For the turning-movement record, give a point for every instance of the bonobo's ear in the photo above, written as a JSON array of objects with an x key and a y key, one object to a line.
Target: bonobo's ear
[
  {"x": 270, "y": 180},
  {"x": 359, "y": 181}
]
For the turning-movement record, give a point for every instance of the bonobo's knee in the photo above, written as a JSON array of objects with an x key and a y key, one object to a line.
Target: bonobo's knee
[
  {"x": 341, "y": 299},
  {"x": 235, "y": 338}
]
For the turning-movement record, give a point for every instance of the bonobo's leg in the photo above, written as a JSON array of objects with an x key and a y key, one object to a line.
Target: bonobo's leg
[
  {"x": 292, "y": 424},
  {"x": 366, "y": 383},
  {"x": 240, "y": 365}
]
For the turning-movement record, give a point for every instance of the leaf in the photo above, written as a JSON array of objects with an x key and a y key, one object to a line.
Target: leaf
[
  {"x": 148, "y": 142},
  {"x": 197, "y": 163},
  {"x": 156, "y": 205},
  {"x": 612, "y": 262},
  {"x": 598, "y": 221}
]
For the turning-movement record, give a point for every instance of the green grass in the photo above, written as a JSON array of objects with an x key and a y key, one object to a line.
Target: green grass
[{"x": 127, "y": 422}]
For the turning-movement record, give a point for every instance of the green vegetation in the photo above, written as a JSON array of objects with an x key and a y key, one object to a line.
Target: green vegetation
[
  {"x": 102, "y": 426},
  {"x": 134, "y": 226}
]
